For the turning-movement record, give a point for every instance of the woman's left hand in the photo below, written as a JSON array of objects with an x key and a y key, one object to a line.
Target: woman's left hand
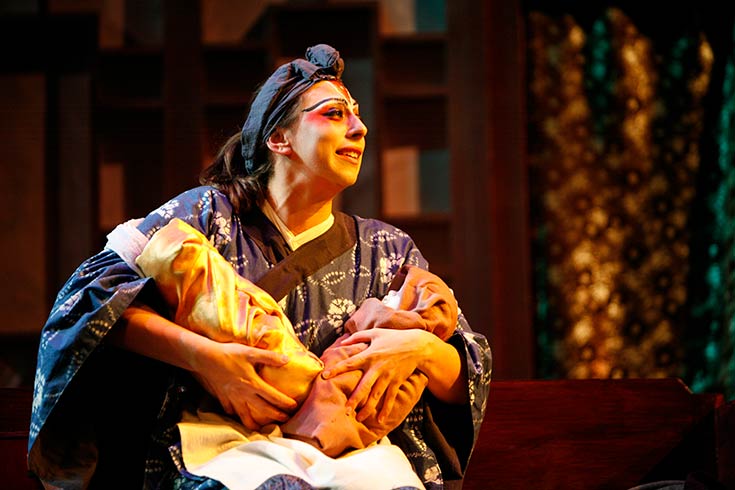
[{"x": 391, "y": 357}]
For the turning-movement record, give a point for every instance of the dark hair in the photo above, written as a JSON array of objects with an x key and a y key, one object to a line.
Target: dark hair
[{"x": 228, "y": 173}]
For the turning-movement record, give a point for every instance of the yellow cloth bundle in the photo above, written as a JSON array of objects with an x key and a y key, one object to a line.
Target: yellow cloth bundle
[{"x": 207, "y": 296}]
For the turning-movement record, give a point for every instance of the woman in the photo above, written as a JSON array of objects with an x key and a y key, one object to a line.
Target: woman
[{"x": 104, "y": 414}]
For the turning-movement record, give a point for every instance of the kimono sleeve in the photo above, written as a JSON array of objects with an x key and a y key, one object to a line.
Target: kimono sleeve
[
  {"x": 452, "y": 430},
  {"x": 79, "y": 380},
  {"x": 61, "y": 451}
]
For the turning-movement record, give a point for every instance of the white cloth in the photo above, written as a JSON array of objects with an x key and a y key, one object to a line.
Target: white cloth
[
  {"x": 295, "y": 241},
  {"x": 226, "y": 451},
  {"x": 128, "y": 242}
]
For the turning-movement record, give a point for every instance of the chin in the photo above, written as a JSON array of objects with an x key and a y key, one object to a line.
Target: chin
[
  {"x": 350, "y": 181},
  {"x": 349, "y": 178}
]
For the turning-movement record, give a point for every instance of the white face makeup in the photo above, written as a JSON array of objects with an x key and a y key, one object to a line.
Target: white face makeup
[{"x": 328, "y": 139}]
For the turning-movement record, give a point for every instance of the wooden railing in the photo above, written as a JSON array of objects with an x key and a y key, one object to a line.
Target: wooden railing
[{"x": 570, "y": 434}]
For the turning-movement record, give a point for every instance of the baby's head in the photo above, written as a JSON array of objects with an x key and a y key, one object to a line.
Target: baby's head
[{"x": 416, "y": 299}]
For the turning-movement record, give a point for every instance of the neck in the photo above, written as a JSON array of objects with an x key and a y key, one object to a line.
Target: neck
[
  {"x": 298, "y": 214},
  {"x": 298, "y": 201}
]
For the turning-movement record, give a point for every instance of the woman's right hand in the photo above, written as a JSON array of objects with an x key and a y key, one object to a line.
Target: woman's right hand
[{"x": 229, "y": 371}]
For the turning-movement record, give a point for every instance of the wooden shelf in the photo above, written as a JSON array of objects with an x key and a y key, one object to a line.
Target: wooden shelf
[
  {"x": 132, "y": 51},
  {"x": 129, "y": 103},
  {"x": 252, "y": 46},
  {"x": 129, "y": 78},
  {"x": 349, "y": 27},
  {"x": 413, "y": 91},
  {"x": 421, "y": 220},
  {"x": 225, "y": 100},
  {"x": 233, "y": 72},
  {"x": 432, "y": 234},
  {"x": 414, "y": 38},
  {"x": 416, "y": 59}
]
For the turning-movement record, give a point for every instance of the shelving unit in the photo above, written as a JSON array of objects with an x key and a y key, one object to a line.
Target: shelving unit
[
  {"x": 130, "y": 104},
  {"x": 129, "y": 79},
  {"x": 413, "y": 92},
  {"x": 128, "y": 119},
  {"x": 400, "y": 81},
  {"x": 231, "y": 74},
  {"x": 414, "y": 142}
]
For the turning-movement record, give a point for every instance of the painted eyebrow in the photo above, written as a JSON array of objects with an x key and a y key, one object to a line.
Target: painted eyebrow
[{"x": 330, "y": 99}]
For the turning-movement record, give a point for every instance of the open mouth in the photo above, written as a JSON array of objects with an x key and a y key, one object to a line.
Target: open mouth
[{"x": 351, "y": 154}]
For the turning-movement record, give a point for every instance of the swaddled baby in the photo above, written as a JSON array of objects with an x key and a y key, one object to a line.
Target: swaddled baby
[
  {"x": 209, "y": 297},
  {"x": 416, "y": 299}
]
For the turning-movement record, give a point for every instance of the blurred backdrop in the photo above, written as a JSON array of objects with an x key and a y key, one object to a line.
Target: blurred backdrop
[{"x": 567, "y": 166}]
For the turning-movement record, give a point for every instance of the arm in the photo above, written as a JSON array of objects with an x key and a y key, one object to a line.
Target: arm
[
  {"x": 445, "y": 370},
  {"x": 392, "y": 356},
  {"x": 227, "y": 370}
]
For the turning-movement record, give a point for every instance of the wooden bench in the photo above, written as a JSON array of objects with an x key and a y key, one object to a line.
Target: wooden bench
[
  {"x": 15, "y": 415},
  {"x": 585, "y": 434},
  {"x": 601, "y": 434}
]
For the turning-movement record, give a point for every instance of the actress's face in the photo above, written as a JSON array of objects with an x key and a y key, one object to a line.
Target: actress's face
[{"x": 328, "y": 138}]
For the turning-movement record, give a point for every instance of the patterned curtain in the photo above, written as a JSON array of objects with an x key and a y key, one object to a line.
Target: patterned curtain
[{"x": 632, "y": 174}]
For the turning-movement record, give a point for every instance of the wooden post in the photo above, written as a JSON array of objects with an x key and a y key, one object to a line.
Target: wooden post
[
  {"x": 491, "y": 249},
  {"x": 182, "y": 96}
]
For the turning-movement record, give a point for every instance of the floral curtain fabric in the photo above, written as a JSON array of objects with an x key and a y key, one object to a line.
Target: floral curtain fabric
[{"x": 632, "y": 174}]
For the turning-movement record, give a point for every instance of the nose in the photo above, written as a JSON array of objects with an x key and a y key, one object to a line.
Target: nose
[{"x": 357, "y": 128}]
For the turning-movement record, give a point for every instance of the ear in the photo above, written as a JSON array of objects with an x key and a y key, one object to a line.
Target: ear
[{"x": 278, "y": 142}]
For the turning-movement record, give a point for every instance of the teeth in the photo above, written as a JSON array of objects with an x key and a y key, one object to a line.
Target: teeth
[{"x": 350, "y": 154}]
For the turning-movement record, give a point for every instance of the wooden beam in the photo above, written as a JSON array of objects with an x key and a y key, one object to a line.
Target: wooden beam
[
  {"x": 182, "y": 96},
  {"x": 491, "y": 248}
]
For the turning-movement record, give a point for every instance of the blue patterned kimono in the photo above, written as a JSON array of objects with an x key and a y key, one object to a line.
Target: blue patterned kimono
[{"x": 105, "y": 417}]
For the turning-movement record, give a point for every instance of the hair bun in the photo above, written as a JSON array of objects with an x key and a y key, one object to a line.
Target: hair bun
[{"x": 327, "y": 58}]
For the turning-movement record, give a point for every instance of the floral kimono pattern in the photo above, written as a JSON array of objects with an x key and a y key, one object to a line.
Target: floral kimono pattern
[{"x": 101, "y": 414}]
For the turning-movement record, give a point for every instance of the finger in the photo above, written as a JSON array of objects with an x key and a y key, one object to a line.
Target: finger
[
  {"x": 373, "y": 399},
  {"x": 389, "y": 399},
  {"x": 347, "y": 351},
  {"x": 350, "y": 325},
  {"x": 246, "y": 419},
  {"x": 352, "y": 363},
  {"x": 264, "y": 413},
  {"x": 365, "y": 336},
  {"x": 263, "y": 356},
  {"x": 361, "y": 392},
  {"x": 338, "y": 342},
  {"x": 354, "y": 349},
  {"x": 276, "y": 398},
  {"x": 226, "y": 405}
]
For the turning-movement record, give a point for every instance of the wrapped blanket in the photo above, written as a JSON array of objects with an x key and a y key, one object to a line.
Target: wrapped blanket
[
  {"x": 417, "y": 299},
  {"x": 207, "y": 296}
]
